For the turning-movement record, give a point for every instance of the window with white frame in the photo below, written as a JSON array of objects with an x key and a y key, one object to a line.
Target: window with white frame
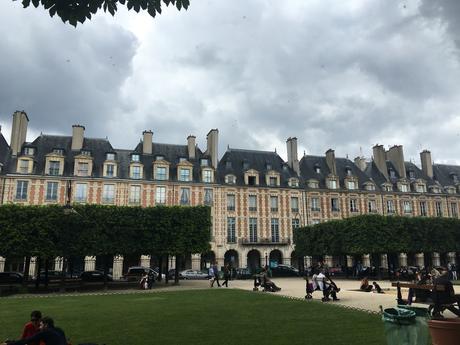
[
  {"x": 390, "y": 206},
  {"x": 275, "y": 230},
  {"x": 252, "y": 203},
  {"x": 274, "y": 203},
  {"x": 208, "y": 196},
  {"x": 108, "y": 194},
  {"x": 273, "y": 181},
  {"x": 81, "y": 192},
  {"x": 109, "y": 170},
  {"x": 184, "y": 174},
  {"x": 293, "y": 182},
  {"x": 407, "y": 206},
  {"x": 332, "y": 184},
  {"x": 21, "y": 190},
  {"x": 370, "y": 187},
  {"x": 253, "y": 230},
  {"x": 387, "y": 188},
  {"x": 135, "y": 194},
  {"x": 135, "y": 172},
  {"x": 313, "y": 184},
  {"x": 230, "y": 202},
  {"x": 52, "y": 191},
  {"x": 54, "y": 167},
  {"x": 317, "y": 169},
  {"x": 420, "y": 188},
  {"x": 24, "y": 166},
  {"x": 204, "y": 162},
  {"x": 351, "y": 185},
  {"x": 135, "y": 158},
  {"x": 231, "y": 230},
  {"x": 314, "y": 202},
  {"x": 207, "y": 176},
  {"x": 160, "y": 195},
  {"x": 185, "y": 196},
  {"x": 403, "y": 187},
  {"x": 353, "y": 205},
  {"x": 294, "y": 204},
  {"x": 110, "y": 156},
  {"x": 58, "y": 151},
  {"x": 295, "y": 223},
  {"x": 371, "y": 206},
  {"x": 438, "y": 207},
  {"x": 182, "y": 159},
  {"x": 230, "y": 179},
  {"x": 454, "y": 209},
  {"x": 335, "y": 205},
  {"x": 29, "y": 151},
  {"x": 160, "y": 173},
  {"x": 422, "y": 205},
  {"x": 82, "y": 169}
]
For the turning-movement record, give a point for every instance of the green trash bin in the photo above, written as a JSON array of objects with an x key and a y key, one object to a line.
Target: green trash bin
[
  {"x": 400, "y": 326},
  {"x": 422, "y": 315}
]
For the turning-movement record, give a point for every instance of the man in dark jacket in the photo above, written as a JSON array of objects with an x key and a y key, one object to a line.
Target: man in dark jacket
[{"x": 49, "y": 334}]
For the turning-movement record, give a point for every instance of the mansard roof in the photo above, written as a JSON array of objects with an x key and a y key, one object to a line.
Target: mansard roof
[
  {"x": 308, "y": 171},
  {"x": 4, "y": 151},
  {"x": 262, "y": 161},
  {"x": 418, "y": 173},
  {"x": 171, "y": 153},
  {"x": 443, "y": 173}
]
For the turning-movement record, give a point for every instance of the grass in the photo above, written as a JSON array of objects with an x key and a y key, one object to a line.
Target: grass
[{"x": 195, "y": 317}]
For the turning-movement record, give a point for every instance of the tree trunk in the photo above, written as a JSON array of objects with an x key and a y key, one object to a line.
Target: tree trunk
[
  {"x": 37, "y": 273},
  {"x": 167, "y": 269},
  {"x": 106, "y": 271},
  {"x": 46, "y": 273},
  {"x": 160, "y": 267},
  {"x": 26, "y": 271},
  {"x": 176, "y": 272},
  {"x": 63, "y": 273}
]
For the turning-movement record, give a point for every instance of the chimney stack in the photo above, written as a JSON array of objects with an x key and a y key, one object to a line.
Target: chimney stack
[
  {"x": 293, "y": 159},
  {"x": 147, "y": 137},
  {"x": 78, "y": 134},
  {"x": 330, "y": 160},
  {"x": 360, "y": 162},
  {"x": 212, "y": 146},
  {"x": 380, "y": 160},
  {"x": 396, "y": 156},
  {"x": 18, "y": 131},
  {"x": 427, "y": 164},
  {"x": 191, "y": 146}
]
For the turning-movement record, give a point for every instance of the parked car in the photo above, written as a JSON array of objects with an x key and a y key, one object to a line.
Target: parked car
[
  {"x": 243, "y": 273},
  {"x": 53, "y": 276},
  {"x": 94, "y": 276},
  {"x": 135, "y": 273},
  {"x": 11, "y": 278},
  {"x": 193, "y": 274},
  {"x": 285, "y": 271}
]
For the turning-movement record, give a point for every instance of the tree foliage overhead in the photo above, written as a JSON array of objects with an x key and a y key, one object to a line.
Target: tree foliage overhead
[
  {"x": 379, "y": 234},
  {"x": 74, "y": 11}
]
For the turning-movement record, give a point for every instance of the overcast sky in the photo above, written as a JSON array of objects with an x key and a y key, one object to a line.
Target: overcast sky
[{"x": 336, "y": 74}]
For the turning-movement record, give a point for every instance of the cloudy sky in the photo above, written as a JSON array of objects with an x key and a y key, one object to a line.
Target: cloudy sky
[{"x": 336, "y": 74}]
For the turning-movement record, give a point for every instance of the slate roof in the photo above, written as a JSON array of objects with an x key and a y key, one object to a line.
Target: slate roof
[
  {"x": 444, "y": 174},
  {"x": 4, "y": 152},
  {"x": 309, "y": 163},
  {"x": 418, "y": 174},
  {"x": 242, "y": 160}
]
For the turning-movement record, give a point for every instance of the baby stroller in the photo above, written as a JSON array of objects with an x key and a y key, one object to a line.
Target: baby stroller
[{"x": 308, "y": 288}]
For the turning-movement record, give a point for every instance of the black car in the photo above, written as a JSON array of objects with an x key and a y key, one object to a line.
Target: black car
[
  {"x": 284, "y": 271},
  {"x": 94, "y": 276},
  {"x": 11, "y": 278},
  {"x": 135, "y": 273},
  {"x": 53, "y": 276}
]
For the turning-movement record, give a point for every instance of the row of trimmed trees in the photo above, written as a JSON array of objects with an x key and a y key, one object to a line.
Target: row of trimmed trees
[
  {"x": 47, "y": 232},
  {"x": 379, "y": 235}
]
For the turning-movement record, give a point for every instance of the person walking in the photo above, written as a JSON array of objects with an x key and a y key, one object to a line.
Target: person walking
[
  {"x": 454, "y": 272},
  {"x": 215, "y": 271},
  {"x": 226, "y": 275},
  {"x": 211, "y": 275}
]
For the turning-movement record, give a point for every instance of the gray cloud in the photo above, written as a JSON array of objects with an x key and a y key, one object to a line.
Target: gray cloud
[{"x": 340, "y": 76}]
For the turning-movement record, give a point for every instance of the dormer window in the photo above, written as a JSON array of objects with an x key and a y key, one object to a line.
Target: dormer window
[
  {"x": 268, "y": 166},
  {"x": 454, "y": 178},
  {"x": 110, "y": 156},
  {"x": 228, "y": 164},
  {"x": 317, "y": 169},
  {"x": 272, "y": 181},
  {"x": 135, "y": 157},
  {"x": 251, "y": 180},
  {"x": 387, "y": 187},
  {"x": 348, "y": 172},
  {"x": 230, "y": 179},
  {"x": 135, "y": 172},
  {"x": 370, "y": 187},
  {"x": 58, "y": 151},
  {"x": 204, "y": 162},
  {"x": 207, "y": 176},
  {"x": 184, "y": 174},
  {"x": 351, "y": 185},
  {"x": 420, "y": 188},
  {"x": 411, "y": 174},
  {"x": 54, "y": 168},
  {"x": 82, "y": 169},
  {"x": 160, "y": 158},
  {"x": 332, "y": 184},
  {"x": 245, "y": 165},
  {"x": 435, "y": 189},
  {"x": 85, "y": 153},
  {"x": 450, "y": 190},
  {"x": 29, "y": 151},
  {"x": 24, "y": 166},
  {"x": 392, "y": 173},
  {"x": 182, "y": 159},
  {"x": 293, "y": 182},
  {"x": 404, "y": 187},
  {"x": 313, "y": 184}
]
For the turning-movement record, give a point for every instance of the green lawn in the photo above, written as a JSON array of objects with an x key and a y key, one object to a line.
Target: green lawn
[{"x": 195, "y": 317}]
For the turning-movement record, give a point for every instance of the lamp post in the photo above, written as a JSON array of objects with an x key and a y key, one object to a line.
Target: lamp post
[{"x": 266, "y": 259}]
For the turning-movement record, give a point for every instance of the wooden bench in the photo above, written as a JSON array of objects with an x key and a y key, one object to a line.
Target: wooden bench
[{"x": 437, "y": 300}]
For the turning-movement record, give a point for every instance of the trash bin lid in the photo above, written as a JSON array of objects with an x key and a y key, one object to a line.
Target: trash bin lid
[{"x": 399, "y": 316}]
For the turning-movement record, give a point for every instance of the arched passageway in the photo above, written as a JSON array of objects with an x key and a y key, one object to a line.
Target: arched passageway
[
  {"x": 276, "y": 258},
  {"x": 231, "y": 258},
  {"x": 207, "y": 259},
  {"x": 253, "y": 260}
]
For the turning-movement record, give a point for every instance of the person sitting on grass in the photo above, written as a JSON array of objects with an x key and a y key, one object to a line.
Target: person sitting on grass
[
  {"x": 33, "y": 326},
  {"x": 365, "y": 285},
  {"x": 49, "y": 334},
  {"x": 377, "y": 288}
]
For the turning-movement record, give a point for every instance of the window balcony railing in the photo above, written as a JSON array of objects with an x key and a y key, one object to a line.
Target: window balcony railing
[
  {"x": 230, "y": 208},
  {"x": 252, "y": 208},
  {"x": 274, "y": 209},
  {"x": 264, "y": 241},
  {"x": 231, "y": 239},
  {"x": 315, "y": 209}
]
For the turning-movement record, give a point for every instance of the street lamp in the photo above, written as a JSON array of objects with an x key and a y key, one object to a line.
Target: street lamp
[{"x": 266, "y": 259}]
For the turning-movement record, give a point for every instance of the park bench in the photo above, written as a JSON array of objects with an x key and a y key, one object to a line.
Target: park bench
[{"x": 438, "y": 300}]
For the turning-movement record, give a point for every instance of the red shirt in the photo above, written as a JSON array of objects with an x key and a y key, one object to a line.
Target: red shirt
[{"x": 29, "y": 331}]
